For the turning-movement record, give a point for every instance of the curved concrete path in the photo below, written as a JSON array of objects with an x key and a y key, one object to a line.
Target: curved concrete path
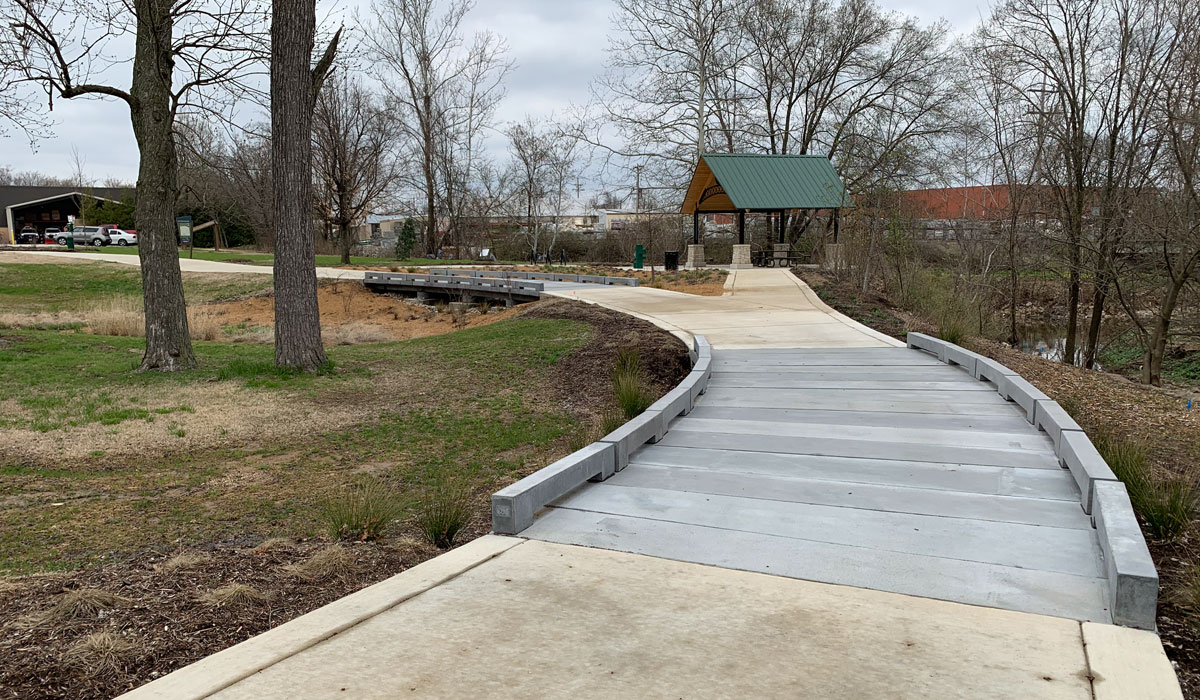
[
  {"x": 185, "y": 264},
  {"x": 712, "y": 564},
  {"x": 762, "y": 308}
]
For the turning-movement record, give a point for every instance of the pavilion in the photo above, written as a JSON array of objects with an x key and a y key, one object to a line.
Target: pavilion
[{"x": 746, "y": 183}]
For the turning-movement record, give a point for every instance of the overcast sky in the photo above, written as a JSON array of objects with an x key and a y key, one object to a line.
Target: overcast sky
[{"x": 558, "y": 46}]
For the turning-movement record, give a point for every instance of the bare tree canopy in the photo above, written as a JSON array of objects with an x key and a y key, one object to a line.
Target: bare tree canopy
[
  {"x": 186, "y": 56},
  {"x": 354, "y": 158},
  {"x": 446, "y": 92}
]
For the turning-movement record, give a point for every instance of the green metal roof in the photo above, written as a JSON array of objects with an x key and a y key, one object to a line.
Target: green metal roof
[{"x": 769, "y": 182}]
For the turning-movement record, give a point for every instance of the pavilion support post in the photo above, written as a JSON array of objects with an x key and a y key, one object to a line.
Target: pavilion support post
[
  {"x": 783, "y": 251},
  {"x": 741, "y": 251},
  {"x": 695, "y": 252}
]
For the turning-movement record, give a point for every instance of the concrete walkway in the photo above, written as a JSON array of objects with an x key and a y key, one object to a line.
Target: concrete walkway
[
  {"x": 762, "y": 308},
  {"x": 812, "y": 530},
  {"x": 185, "y": 264}
]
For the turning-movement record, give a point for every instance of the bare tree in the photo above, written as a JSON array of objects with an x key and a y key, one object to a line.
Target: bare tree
[
  {"x": 68, "y": 48},
  {"x": 1056, "y": 52},
  {"x": 295, "y": 83},
  {"x": 1169, "y": 215},
  {"x": 353, "y": 155},
  {"x": 447, "y": 89},
  {"x": 671, "y": 66},
  {"x": 847, "y": 80},
  {"x": 531, "y": 157}
]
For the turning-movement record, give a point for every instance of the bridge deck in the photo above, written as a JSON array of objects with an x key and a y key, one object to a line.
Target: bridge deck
[{"x": 873, "y": 467}]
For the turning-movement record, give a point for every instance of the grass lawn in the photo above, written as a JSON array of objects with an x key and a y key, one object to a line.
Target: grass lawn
[
  {"x": 256, "y": 258},
  {"x": 475, "y": 413},
  {"x": 29, "y": 288}
]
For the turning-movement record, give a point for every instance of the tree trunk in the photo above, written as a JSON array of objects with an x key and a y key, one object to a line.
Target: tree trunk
[
  {"x": 430, "y": 179},
  {"x": 168, "y": 343},
  {"x": 1013, "y": 285},
  {"x": 344, "y": 241},
  {"x": 1072, "y": 297},
  {"x": 1099, "y": 298},
  {"x": 1153, "y": 358},
  {"x": 297, "y": 317}
]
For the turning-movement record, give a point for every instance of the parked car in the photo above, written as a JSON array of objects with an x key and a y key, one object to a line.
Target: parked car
[
  {"x": 95, "y": 235},
  {"x": 51, "y": 235},
  {"x": 118, "y": 237},
  {"x": 28, "y": 236}
]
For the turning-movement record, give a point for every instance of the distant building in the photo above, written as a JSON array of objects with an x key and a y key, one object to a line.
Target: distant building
[
  {"x": 946, "y": 211},
  {"x": 48, "y": 207}
]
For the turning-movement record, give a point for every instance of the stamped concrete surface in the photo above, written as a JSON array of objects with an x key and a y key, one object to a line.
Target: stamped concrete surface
[{"x": 545, "y": 620}]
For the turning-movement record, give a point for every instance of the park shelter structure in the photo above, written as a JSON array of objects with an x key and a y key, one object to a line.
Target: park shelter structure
[
  {"x": 745, "y": 183},
  {"x": 45, "y": 207}
]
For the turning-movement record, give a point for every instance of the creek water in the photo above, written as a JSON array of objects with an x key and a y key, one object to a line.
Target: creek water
[{"x": 1050, "y": 342}]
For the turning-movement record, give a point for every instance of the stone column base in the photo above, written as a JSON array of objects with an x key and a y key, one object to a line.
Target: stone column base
[
  {"x": 695, "y": 258},
  {"x": 782, "y": 251},
  {"x": 741, "y": 257}
]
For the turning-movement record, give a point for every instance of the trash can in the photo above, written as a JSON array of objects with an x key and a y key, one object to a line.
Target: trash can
[{"x": 671, "y": 261}]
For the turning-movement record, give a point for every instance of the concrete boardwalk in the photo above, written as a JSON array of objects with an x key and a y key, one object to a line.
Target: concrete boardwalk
[
  {"x": 842, "y": 458},
  {"x": 879, "y": 468}
]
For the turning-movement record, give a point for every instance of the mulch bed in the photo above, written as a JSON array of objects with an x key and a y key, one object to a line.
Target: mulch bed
[
  {"x": 163, "y": 624},
  {"x": 1099, "y": 401},
  {"x": 163, "y": 621},
  {"x": 585, "y": 378},
  {"x": 871, "y": 308}
]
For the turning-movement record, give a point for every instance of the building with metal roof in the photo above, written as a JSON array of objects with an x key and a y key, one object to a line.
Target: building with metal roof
[
  {"x": 743, "y": 183},
  {"x": 41, "y": 207}
]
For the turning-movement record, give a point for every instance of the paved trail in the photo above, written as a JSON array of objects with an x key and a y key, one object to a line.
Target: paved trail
[{"x": 839, "y": 517}]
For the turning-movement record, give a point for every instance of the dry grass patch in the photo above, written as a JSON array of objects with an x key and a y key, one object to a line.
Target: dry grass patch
[
  {"x": 203, "y": 325},
  {"x": 99, "y": 654},
  {"x": 232, "y": 594},
  {"x": 332, "y": 562},
  {"x": 181, "y": 561},
  {"x": 83, "y": 604},
  {"x": 121, "y": 316},
  {"x": 355, "y": 333}
]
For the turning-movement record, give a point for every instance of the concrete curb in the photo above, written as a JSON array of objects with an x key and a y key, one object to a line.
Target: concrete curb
[
  {"x": 550, "y": 276},
  {"x": 515, "y": 507},
  {"x": 422, "y": 282},
  {"x": 1086, "y": 465},
  {"x": 1132, "y": 578},
  {"x": 220, "y": 670}
]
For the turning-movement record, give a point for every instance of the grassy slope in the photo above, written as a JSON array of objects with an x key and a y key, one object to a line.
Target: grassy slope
[{"x": 476, "y": 414}]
